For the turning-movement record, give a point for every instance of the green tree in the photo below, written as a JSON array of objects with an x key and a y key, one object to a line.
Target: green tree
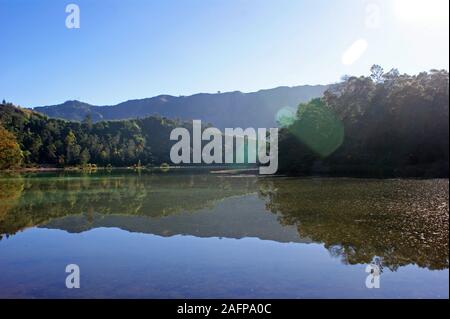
[
  {"x": 87, "y": 122},
  {"x": 10, "y": 153},
  {"x": 72, "y": 149},
  {"x": 377, "y": 73},
  {"x": 85, "y": 156},
  {"x": 395, "y": 125},
  {"x": 51, "y": 152}
]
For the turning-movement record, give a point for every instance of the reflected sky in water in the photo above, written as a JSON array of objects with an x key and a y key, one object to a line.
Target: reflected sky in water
[{"x": 185, "y": 235}]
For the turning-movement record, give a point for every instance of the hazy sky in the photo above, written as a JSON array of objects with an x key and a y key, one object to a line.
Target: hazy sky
[{"x": 136, "y": 48}]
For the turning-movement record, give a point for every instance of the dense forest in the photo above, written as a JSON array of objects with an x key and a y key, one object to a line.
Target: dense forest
[
  {"x": 386, "y": 124},
  {"x": 37, "y": 139}
]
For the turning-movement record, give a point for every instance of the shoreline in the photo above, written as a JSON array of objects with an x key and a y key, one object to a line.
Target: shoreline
[{"x": 417, "y": 173}]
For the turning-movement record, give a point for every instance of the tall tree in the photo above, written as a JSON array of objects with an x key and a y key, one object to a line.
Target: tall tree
[{"x": 10, "y": 153}]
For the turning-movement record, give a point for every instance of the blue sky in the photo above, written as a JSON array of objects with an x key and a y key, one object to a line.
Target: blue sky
[{"x": 136, "y": 48}]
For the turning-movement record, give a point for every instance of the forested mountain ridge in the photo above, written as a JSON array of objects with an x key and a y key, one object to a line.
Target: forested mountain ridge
[
  {"x": 386, "y": 124},
  {"x": 230, "y": 109},
  {"x": 43, "y": 140}
]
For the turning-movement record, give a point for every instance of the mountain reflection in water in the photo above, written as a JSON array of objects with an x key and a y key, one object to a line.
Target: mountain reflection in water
[{"x": 402, "y": 222}]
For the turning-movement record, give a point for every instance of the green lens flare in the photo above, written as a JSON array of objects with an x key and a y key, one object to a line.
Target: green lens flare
[
  {"x": 318, "y": 128},
  {"x": 285, "y": 116}
]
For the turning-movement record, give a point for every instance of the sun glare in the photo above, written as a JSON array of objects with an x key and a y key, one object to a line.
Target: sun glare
[{"x": 422, "y": 10}]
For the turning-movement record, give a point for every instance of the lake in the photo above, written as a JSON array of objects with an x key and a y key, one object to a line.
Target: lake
[{"x": 192, "y": 234}]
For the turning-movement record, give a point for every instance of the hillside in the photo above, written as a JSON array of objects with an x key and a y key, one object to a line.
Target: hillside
[
  {"x": 232, "y": 109},
  {"x": 43, "y": 140}
]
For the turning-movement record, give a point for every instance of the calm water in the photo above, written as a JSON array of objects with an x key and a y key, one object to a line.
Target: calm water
[{"x": 198, "y": 235}]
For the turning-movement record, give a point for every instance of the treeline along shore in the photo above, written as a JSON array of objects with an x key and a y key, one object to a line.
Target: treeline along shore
[{"x": 387, "y": 124}]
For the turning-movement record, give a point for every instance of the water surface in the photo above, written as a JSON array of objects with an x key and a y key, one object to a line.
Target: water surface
[{"x": 200, "y": 235}]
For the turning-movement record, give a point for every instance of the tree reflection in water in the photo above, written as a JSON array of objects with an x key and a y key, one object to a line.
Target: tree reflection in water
[{"x": 400, "y": 221}]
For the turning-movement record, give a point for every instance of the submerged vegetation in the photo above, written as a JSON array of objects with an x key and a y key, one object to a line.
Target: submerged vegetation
[{"x": 403, "y": 221}]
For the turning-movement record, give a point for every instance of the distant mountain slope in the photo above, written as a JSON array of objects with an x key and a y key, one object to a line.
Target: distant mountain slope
[{"x": 231, "y": 109}]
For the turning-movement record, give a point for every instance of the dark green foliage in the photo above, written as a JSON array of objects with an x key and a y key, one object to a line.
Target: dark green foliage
[
  {"x": 59, "y": 142},
  {"x": 394, "y": 125},
  {"x": 387, "y": 124},
  {"x": 318, "y": 128}
]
